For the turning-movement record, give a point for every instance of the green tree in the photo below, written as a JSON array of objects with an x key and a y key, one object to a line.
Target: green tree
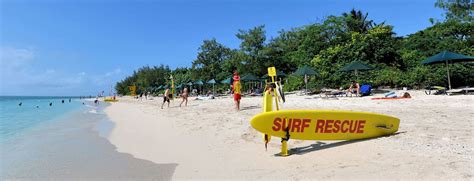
[
  {"x": 356, "y": 21},
  {"x": 209, "y": 59},
  {"x": 459, "y": 10},
  {"x": 252, "y": 45}
]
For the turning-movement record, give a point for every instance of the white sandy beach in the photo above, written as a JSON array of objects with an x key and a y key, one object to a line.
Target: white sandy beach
[{"x": 210, "y": 140}]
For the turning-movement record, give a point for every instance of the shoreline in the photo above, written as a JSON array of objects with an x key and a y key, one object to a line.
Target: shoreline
[
  {"x": 209, "y": 140},
  {"x": 72, "y": 147}
]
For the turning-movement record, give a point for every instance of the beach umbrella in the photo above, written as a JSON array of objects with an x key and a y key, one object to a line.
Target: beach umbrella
[
  {"x": 355, "y": 66},
  {"x": 213, "y": 82},
  {"x": 179, "y": 86},
  {"x": 160, "y": 87},
  {"x": 249, "y": 77},
  {"x": 447, "y": 57},
  {"x": 226, "y": 81},
  {"x": 190, "y": 84},
  {"x": 278, "y": 73},
  {"x": 199, "y": 82},
  {"x": 305, "y": 71}
]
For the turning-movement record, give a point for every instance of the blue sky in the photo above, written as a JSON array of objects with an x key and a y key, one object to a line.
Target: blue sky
[{"x": 55, "y": 47}]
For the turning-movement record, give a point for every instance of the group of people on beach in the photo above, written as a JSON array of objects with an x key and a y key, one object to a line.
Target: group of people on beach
[
  {"x": 167, "y": 96},
  {"x": 235, "y": 87}
]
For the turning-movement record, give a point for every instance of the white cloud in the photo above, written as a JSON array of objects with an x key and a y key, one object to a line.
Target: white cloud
[
  {"x": 21, "y": 74},
  {"x": 115, "y": 72},
  {"x": 108, "y": 78},
  {"x": 15, "y": 59}
]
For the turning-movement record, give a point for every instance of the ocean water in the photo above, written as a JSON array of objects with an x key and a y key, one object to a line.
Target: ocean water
[
  {"x": 16, "y": 120},
  {"x": 65, "y": 141}
]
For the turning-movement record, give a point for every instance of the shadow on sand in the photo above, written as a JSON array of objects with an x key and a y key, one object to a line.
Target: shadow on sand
[
  {"x": 249, "y": 108},
  {"x": 322, "y": 145}
]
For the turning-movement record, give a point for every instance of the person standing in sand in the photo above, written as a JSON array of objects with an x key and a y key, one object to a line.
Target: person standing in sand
[
  {"x": 166, "y": 97},
  {"x": 185, "y": 97},
  {"x": 236, "y": 87}
]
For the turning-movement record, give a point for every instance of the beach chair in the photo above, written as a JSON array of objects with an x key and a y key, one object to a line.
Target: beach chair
[
  {"x": 332, "y": 93},
  {"x": 435, "y": 90},
  {"x": 365, "y": 90},
  {"x": 462, "y": 90}
]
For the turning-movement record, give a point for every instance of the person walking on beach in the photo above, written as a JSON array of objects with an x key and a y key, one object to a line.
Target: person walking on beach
[
  {"x": 236, "y": 88},
  {"x": 146, "y": 95},
  {"x": 185, "y": 97},
  {"x": 141, "y": 96},
  {"x": 166, "y": 97}
]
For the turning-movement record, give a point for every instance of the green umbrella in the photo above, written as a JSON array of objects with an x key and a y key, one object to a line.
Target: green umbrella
[
  {"x": 212, "y": 81},
  {"x": 226, "y": 81},
  {"x": 249, "y": 77},
  {"x": 305, "y": 71},
  {"x": 199, "y": 82},
  {"x": 447, "y": 57},
  {"x": 190, "y": 84},
  {"x": 355, "y": 66},
  {"x": 278, "y": 73}
]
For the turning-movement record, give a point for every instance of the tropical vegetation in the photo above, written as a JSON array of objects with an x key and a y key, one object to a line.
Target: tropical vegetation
[{"x": 328, "y": 45}]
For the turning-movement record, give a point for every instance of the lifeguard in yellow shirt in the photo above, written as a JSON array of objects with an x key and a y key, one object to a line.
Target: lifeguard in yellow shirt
[{"x": 237, "y": 94}]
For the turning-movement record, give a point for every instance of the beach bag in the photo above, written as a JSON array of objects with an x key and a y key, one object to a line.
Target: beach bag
[{"x": 365, "y": 90}]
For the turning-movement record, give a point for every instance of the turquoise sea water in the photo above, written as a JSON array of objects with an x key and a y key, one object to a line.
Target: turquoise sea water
[
  {"x": 34, "y": 111},
  {"x": 65, "y": 141}
]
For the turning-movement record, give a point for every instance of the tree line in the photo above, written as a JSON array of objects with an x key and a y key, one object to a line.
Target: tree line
[{"x": 327, "y": 46}]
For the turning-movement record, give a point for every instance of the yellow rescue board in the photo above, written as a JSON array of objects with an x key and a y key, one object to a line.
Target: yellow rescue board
[
  {"x": 110, "y": 100},
  {"x": 324, "y": 124}
]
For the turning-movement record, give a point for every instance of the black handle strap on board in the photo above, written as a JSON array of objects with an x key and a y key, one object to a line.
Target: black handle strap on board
[{"x": 287, "y": 130}]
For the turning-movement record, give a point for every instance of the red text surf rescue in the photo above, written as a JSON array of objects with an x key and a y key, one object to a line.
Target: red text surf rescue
[{"x": 322, "y": 126}]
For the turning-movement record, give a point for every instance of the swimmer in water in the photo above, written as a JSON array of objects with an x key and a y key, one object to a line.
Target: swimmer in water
[
  {"x": 50, "y": 104},
  {"x": 62, "y": 101},
  {"x": 20, "y": 104}
]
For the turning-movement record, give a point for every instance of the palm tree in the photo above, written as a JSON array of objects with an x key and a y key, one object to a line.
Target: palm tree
[{"x": 357, "y": 22}]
